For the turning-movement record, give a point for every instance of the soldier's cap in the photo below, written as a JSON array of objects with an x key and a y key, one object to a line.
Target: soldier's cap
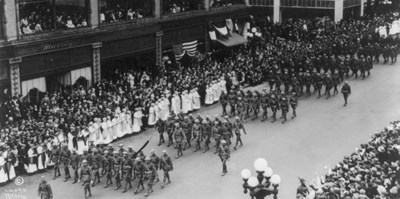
[
  {"x": 237, "y": 117},
  {"x": 84, "y": 161},
  {"x": 204, "y": 122},
  {"x": 106, "y": 152},
  {"x": 110, "y": 145},
  {"x": 94, "y": 150},
  {"x": 121, "y": 145},
  {"x": 226, "y": 117},
  {"x": 152, "y": 151},
  {"x": 215, "y": 122},
  {"x": 124, "y": 152},
  {"x": 223, "y": 142},
  {"x": 130, "y": 147},
  {"x": 147, "y": 159},
  {"x": 138, "y": 159},
  {"x": 115, "y": 152},
  {"x": 225, "y": 121},
  {"x": 196, "y": 120},
  {"x": 164, "y": 151}
]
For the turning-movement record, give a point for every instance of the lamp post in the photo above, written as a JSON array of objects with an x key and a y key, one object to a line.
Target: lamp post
[{"x": 259, "y": 186}]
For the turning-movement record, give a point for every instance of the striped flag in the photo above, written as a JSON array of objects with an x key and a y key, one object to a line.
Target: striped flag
[
  {"x": 190, "y": 48},
  {"x": 178, "y": 51}
]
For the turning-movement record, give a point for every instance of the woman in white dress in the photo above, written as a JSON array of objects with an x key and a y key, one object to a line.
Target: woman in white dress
[
  {"x": 185, "y": 108},
  {"x": 152, "y": 115},
  {"x": 167, "y": 104},
  {"x": 92, "y": 135},
  {"x": 32, "y": 168},
  {"x": 105, "y": 132},
  {"x": 209, "y": 96},
  {"x": 222, "y": 85},
  {"x": 160, "y": 109},
  {"x": 157, "y": 111},
  {"x": 137, "y": 121},
  {"x": 196, "y": 99},
  {"x": 80, "y": 142},
  {"x": 97, "y": 132},
  {"x": 70, "y": 143},
  {"x": 3, "y": 174},
  {"x": 215, "y": 89},
  {"x": 9, "y": 157},
  {"x": 110, "y": 129},
  {"x": 122, "y": 118},
  {"x": 189, "y": 101},
  {"x": 175, "y": 104},
  {"x": 41, "y": 158},
  {"x": 128, "y": 119}
]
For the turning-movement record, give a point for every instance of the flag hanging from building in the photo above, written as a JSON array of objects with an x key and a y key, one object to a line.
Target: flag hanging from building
[
  {"x": 190, "y": 47},
  {"x": 178, "y": 51}
]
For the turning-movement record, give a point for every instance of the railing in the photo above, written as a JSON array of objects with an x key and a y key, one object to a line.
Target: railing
[
  {"x": 328, "y": 4},
  {"x": 351, "y": 3},
  {"x": 266, "y": 3}
]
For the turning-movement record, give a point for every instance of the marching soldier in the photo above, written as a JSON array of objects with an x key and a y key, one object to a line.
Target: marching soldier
[
  {"x": 108, "y": 163},
  {"x": 117, "y": 169},
  {"x": 167, "y": 166},
  {"x": 96, "y": 166},
  {"x": 44, "y": 190},
  {"x": 319, "y": 83},
  {"x": 224, "y": 154},
  {"x": 74, "y": 162},
  {"x": 293, "y": 104},
  {"x": 346, "y": 90},
  {"x": 206, "y": 134},
  {"x": 216, "y": 134},
  {"x": 336, "y": 82},
  {"x": 226, "y": 131},
  {"x": 308, "y": 82},
  {"x": 285, "y": 109},
  {"x": 232, "y": 102},
  {"x": 65, "y": 156},
  {"x": 264, "y": 106},
  {"x": 151, "y": 174},
  {"x": 170, "y": 131},
  {"x": 255, "y": 103},
  {"x": 139, "y": 172},
  {"x": 224, "y": 102},
  {"x": 240, "y": 109},
  {"x": 86, "y": 177},
  {"x": 274, "y": 107},
  {"x": 187, "y": 126},
  {"x": 156, "y": 162},
  {"x": 328, "y": 86},
  {"x": 238, "y": 138},
  {"x": 246, "y": 104},
  {"x": 180, "y": 137},
  {"x": 127, "y": 171},
  {"x": 160, "y": 126},
  {"x": 55, "y": 158},
  {"x": 196, "y": 133}
]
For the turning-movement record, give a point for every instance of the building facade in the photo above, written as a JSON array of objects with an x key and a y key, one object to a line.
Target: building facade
[{"x": 47, "y": 42}]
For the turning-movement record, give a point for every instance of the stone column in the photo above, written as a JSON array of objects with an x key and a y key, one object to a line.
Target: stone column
[
  {"x": 277, "y": 11},
  {"x": 206, "y": 40},
  {"x": 157, "y": 9},
  {"x": 362, "y": 8},
  {"x": 338, "y": 10},
  {"x": 11, "y": 25},
  {"x": 94, "y": 13},
  {"x": 96, "y": 62},
  {"x": 159, "y": 61},
  {"x": 247, "y": 2},
  {"x": 15, "y": 75},
  {"x": 206, "y": 5}
]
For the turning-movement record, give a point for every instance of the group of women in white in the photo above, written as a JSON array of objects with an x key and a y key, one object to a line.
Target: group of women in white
[{"x": 214, "y": 90}]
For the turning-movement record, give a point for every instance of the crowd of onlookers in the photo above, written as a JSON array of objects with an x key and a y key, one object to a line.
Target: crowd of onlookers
[
  {"x": 113, "y": 11},
  {"x": 371, "y": 172},
  {"x": 43, "y": 17},
  {"x": 177, "y": 6}
]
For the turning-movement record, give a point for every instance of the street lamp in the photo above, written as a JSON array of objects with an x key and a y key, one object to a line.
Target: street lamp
[{"x": 259, "y": 187}]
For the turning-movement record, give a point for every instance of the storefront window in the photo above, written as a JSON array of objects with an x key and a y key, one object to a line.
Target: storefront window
[
  {"x": 120, "y": 10},
  {"x": 178, "y": 6},
  {"x": 261, "y": 2},
  {"x": 36, "y": 16},
  {"x": 221, "y": 3}
]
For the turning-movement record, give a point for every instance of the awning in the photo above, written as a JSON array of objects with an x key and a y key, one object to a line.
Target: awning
[{"x": 233, "y": 40}]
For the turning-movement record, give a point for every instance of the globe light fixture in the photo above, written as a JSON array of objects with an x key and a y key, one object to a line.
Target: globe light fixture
[{"x": 259, "y": 186}]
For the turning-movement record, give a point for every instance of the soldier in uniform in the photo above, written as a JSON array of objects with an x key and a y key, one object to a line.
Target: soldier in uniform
[
  {"x": 240, "y": 109},
  {"x": 328, "y": 86},
  {"x": 224, "y": 102},
  {"x": 293, "y": 103},
  {"x": 336, "y": 82},
  {"x": 44, "y": 190},
  {"x": 187, "y": 126},
  {"x": 65, "y": 156},
  {"x": 127, "y": 166},
  {"x": 74, "y": 162},
  {"x": 238, "y": 138},
  {"x": 264, "y": 106},
  {"x": 346, "y": 90},
  {"x": 160, "y": 126},
  {"x": 232, "y": 102},
  {"x": 156, "y": 162},
  {"x": 139, "y": 172},
  {"x": 167, "y": 166},
  {"x": 108, "y": 163},
  {"x": 274, "y": 107},
  {"x": 255, "y": 103},
  {"x": 180, "y": 137},
  {"x": 196, "y": 133},
  {"x": 285, "y": 109},
  {"x": 96, "y": 166},
  {"x": 224, "y": 154},
  {"x": 55, "y": 158},
  {"x": 151, "y": 173},
  {"x": 170, "y": 131},
  {"x": 308, "y": 82},
  {"x": 319, "y": 83},
  {"x": 246, "y": 104},
  {"x": 117, "y": 169},
  {"x": 86, "y": 177},
  {"x": 354, "y": 67},
  {"x": 216, "y": 134},
  {"x": 206, "y": 134}
]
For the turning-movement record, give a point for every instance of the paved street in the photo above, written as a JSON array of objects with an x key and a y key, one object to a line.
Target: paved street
[{"x": 322, "y": 134}]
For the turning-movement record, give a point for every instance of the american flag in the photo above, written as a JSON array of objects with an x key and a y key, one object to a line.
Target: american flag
[{"x": 188, "y": 47}]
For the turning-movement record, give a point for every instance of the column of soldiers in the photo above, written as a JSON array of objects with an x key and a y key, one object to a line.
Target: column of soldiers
[
  {"x": 253, "y": 104},
  {"x": 120, "y": 166}
]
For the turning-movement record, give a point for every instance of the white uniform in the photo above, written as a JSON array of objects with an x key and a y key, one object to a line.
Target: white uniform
[
  {"x": 152, "y": 115},
  {"x": 196, "y": 100},
  {"x": 137, "y": 121}
]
